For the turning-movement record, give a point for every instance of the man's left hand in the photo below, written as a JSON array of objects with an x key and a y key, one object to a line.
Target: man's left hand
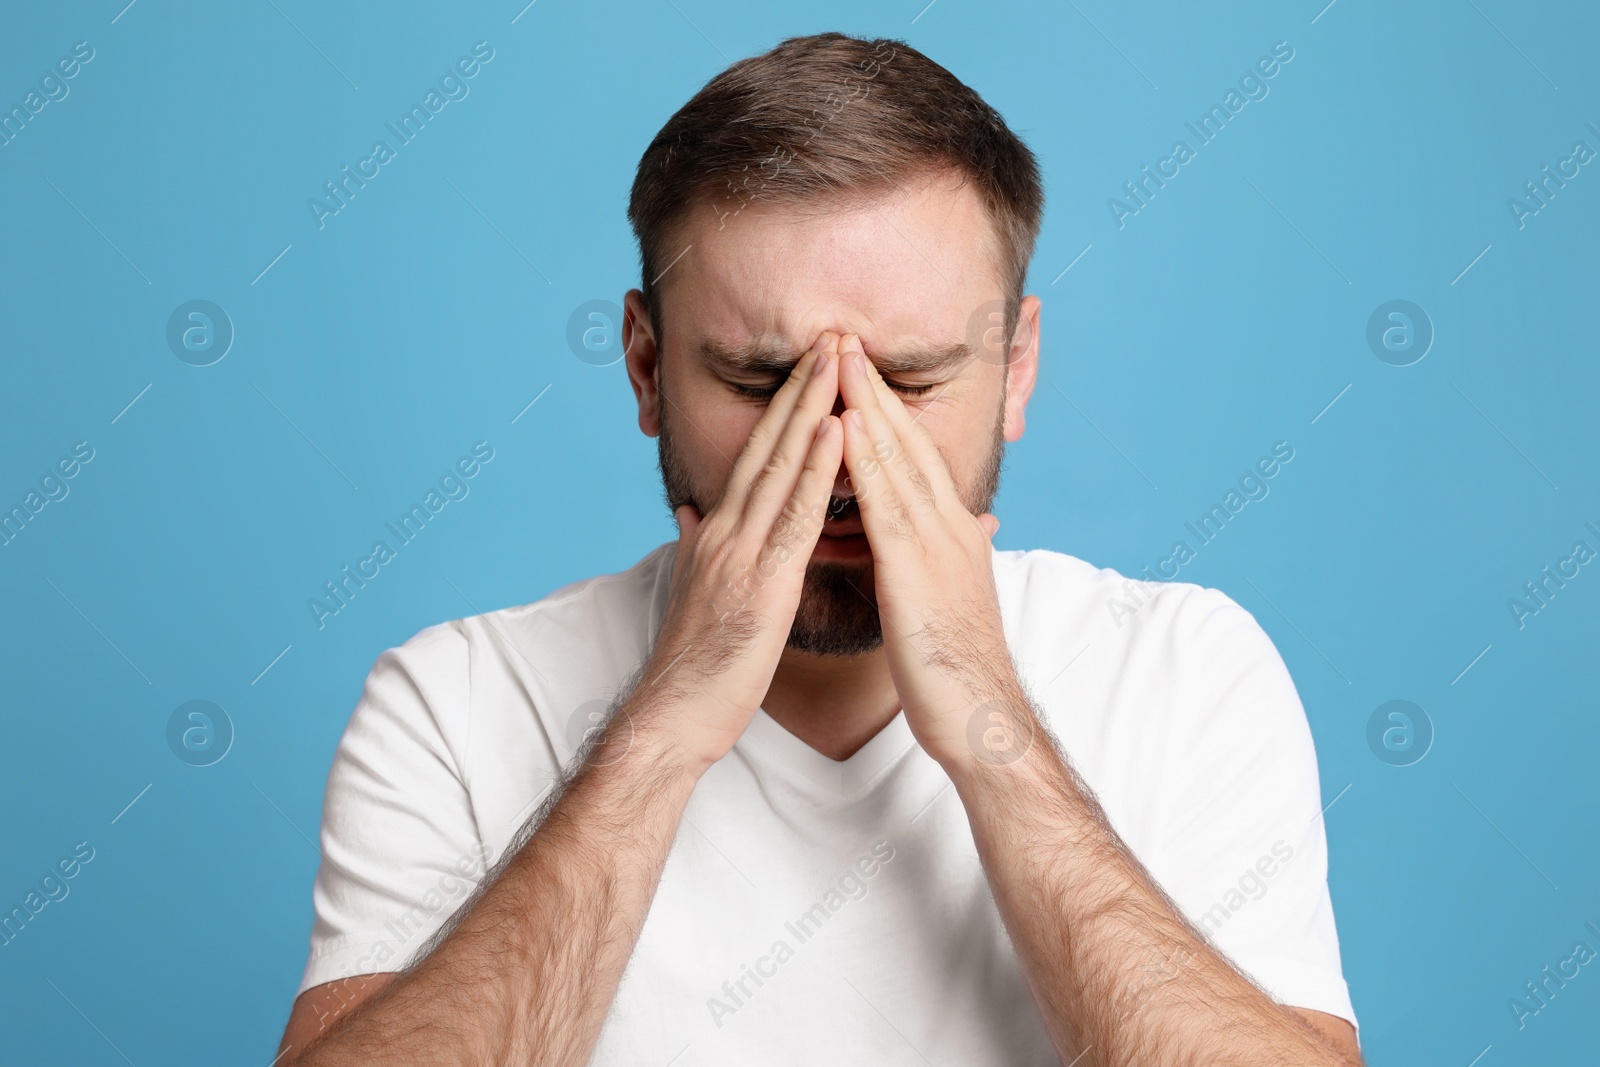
[{"x": 934, "y": 573}]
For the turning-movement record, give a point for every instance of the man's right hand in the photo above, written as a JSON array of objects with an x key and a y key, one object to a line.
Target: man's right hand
[
  {"x": 529, "y": 965},
  {"x": 740, "y": 568}
]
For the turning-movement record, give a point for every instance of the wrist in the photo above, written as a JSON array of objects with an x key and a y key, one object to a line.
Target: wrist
[
  {"x": 999, "y": 740},
  {"x": 658, "y": 734}
]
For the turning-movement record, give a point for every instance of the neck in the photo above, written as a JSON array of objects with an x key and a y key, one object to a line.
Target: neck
[{"x": 835, "y": 704}]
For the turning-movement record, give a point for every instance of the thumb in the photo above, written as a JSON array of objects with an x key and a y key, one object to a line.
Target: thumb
[
  {"x": 990, "y": 524},
  {"x": 688, "y": 517}
]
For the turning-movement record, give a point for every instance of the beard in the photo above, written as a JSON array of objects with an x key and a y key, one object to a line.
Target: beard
[{"x": 838, "y": 610}]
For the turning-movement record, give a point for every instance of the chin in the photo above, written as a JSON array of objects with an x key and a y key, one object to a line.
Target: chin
[{"x": 838, "y": 610}]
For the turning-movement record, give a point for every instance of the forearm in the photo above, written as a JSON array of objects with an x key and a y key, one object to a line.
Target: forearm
[
  {"x": 1117, "y": 973},
  {"x": 532, "y": 962}
]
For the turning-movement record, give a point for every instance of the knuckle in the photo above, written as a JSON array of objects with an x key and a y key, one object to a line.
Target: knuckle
[
  {"x": 924, "y": 487},
  {"x": 901, "y": 521}
]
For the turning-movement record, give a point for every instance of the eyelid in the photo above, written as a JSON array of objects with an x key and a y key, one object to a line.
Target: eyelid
[{"x": 766, "y": 392}]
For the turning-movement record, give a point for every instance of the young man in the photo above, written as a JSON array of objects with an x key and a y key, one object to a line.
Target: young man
[{"x": 829, "y": 778}]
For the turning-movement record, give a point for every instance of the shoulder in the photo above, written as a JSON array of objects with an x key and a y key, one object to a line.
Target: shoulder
[
  {"x": 1121, "y": 664},
  {"x": 576, "y": 619},
  {"x": 594, "y": 627},
  {"x": 605, "y": 600},
  {"x": 1043, "y": 588}
]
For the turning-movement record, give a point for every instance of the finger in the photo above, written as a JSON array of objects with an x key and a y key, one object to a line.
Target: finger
[
  {"x": 795, "y": 531},
  {"x": 689, "y": 519},
  {"x": 757, "y": 452},
  {"x": 883, "y": 510},
  {"x": 870, "y": 389},
  {"x": 863, "y": 387},
  {"x": 775, "y": 481},
  {"x": 912, "y": 483}
]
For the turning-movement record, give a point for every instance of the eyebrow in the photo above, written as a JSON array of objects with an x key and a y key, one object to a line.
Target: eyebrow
[{"x": 763, "y": 356}]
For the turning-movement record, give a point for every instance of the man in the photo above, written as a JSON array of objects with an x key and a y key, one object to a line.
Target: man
[{"x": 856, "y": 786}]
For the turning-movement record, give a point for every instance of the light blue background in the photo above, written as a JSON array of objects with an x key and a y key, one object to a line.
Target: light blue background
[{"x": 1222, "y": 318}]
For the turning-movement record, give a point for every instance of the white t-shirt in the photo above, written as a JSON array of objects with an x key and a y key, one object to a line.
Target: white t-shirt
[{"x": 818, "y": 911}]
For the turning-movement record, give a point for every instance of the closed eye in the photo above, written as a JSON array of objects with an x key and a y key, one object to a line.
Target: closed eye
[{"x": 767, "y": 392}]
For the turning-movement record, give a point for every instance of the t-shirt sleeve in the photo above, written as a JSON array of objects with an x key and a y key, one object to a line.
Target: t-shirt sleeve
[
  {"x": 400, "y": 848},
  {"x": 1242, "y": 848}
]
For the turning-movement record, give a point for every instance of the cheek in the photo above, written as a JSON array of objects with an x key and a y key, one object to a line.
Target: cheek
[
  {"x": 960, "y": 431},
  {"x": 709, "y": 433}
]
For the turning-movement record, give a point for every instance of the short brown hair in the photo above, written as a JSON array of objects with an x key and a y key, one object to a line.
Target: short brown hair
[{"x": 832, "y": 116}]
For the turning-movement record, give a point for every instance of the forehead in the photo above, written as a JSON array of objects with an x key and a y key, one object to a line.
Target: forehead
[{"x": 906, "y": 270}]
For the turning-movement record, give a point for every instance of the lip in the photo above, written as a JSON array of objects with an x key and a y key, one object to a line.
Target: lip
[{"x": 848, "y": 528}]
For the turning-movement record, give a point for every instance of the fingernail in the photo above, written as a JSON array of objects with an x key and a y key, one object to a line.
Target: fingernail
[
  {"x": 821, "y": 343},
  {"x": 821, "y": 364},
  {"x": 853, "y": 344}
]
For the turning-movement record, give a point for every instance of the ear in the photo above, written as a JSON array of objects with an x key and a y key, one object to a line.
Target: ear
[
  {"x": 642, "y": 353},
  {"x": 1022, "y": 366}
]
